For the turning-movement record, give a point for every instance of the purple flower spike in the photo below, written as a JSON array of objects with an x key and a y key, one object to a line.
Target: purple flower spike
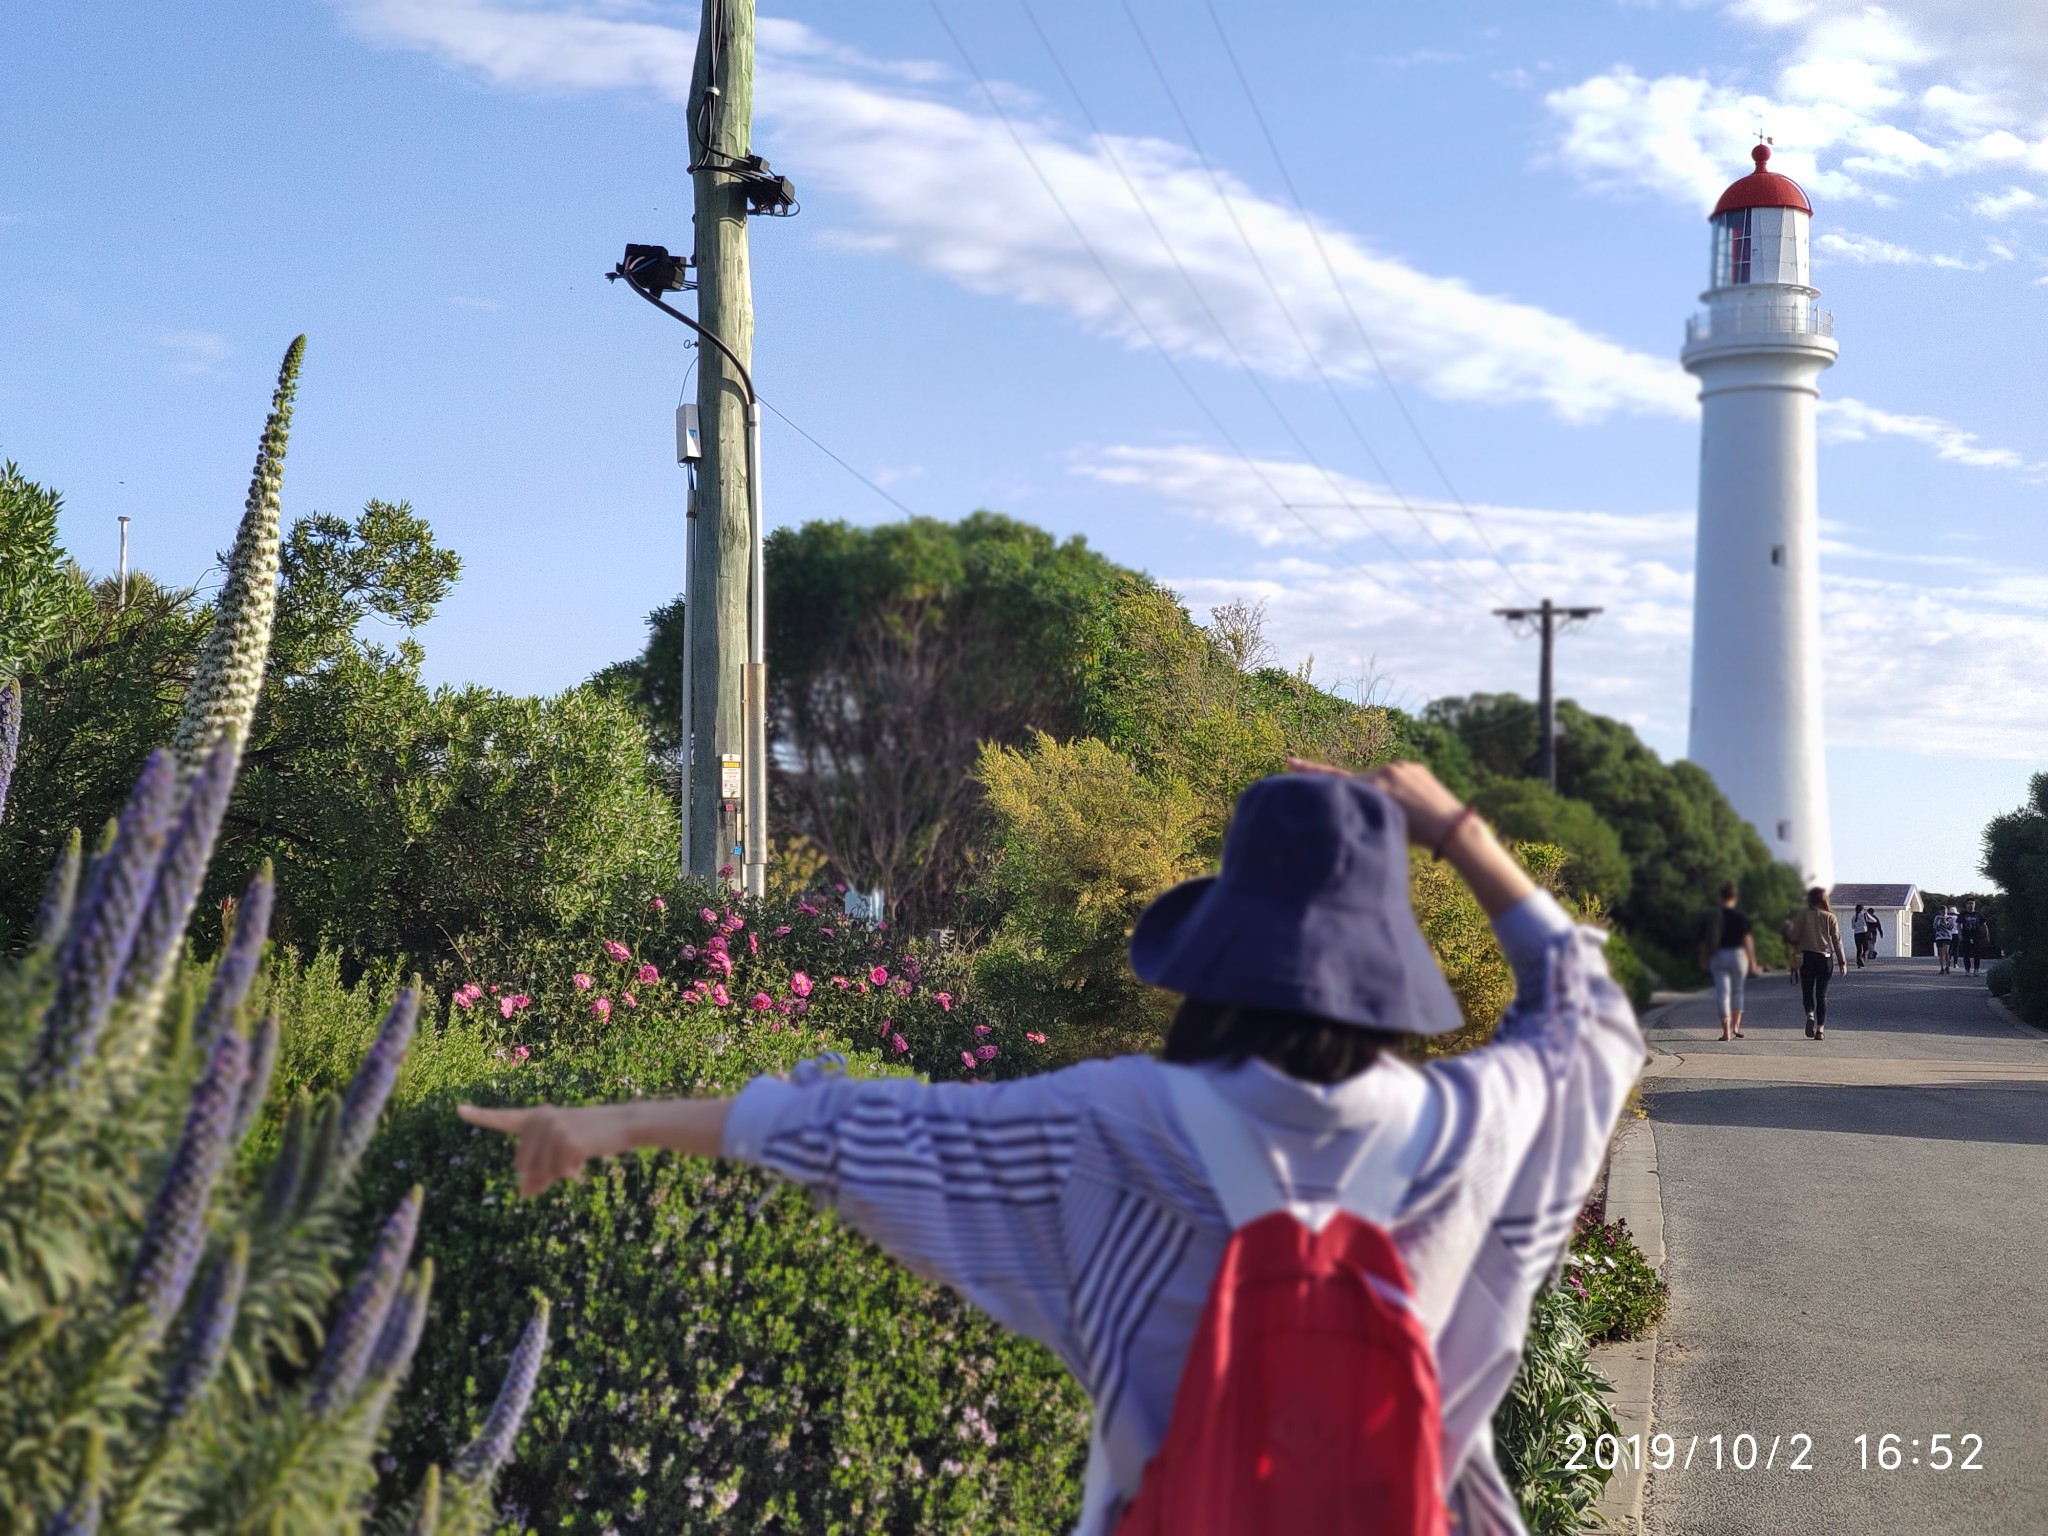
[
  {"x": 176, "y": 1229},
  {"x": 81, "y": 1517},
  {"x": 480, "y": 1460},
  {"x": 103, "y": 931},
  {"x": 373, "y": 1083},
  {"x": 364, "y": 1312},
  {"x": 262, "y": 1060},
  {"x": 178, "y": 877},
  {"x": 237, "y": 966},
  {"x": 60, "y": 896},
  {"x": 213, "y": 1326},
  {"x": 402, "y": 1329},
  {"x": 10, "y": 737}
]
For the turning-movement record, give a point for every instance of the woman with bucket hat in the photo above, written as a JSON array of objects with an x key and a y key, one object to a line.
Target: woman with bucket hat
[{"x": 1292, "y": 1270}]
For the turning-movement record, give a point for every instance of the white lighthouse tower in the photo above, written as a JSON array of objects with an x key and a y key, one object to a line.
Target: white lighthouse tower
[{"x": 1758, "y": 350}]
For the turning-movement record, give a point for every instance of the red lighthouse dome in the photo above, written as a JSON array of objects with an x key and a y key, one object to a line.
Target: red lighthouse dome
[{"x": 1762, "y": 188}]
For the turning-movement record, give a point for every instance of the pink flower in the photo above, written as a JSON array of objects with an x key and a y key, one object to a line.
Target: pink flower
[
  {"x": 806, "y": 908},
  {"x": 800, "y": 1007},
  {"x": 902, "y": 989},
  {"x": 945, "y": 1000},
  {"x": 839, "y": 886},
  {"x": 602, "y": 1007},
  {"x": 465, "y": 998},
  {"x": 967, "y": 1059},
  {"x": 879, "y": 975},
  {"x": 839, "y": 982},
  {"x": 800, "y": 984},
  {"x": 658, "y": 904},
  {"x": 708, "y": 915},
  {"x": 725, "y": 871},
  {"x": 981, "y": 1031},
  {"x": 583, "y": 981},
  {"x": 881, "y": 927},
  {"x": 753, "y": 944},
  {"x": 863, "y": 987},
  {"x": 719, "y": 996},
  {"x": 900, "y": 1043},
  {"x": 826, "y": 931},
  {"x": 775, "y": 1026},
  {"x": 617, "y": 950},
  {"x": 689, "y": 953},
  {"x": 782, "y": 930},
  {"x": 629, "y": 1000},
  {"x": 721, "y": 964},
  {"x": 520, "y": 1053},
  {"x": 512, "y": 1003},
  {"x": 784, "y": 1005},
  {"x": 647, "y": 976},
  {"x": 1034, "y": 1037},
  {"x": 986, "y": 1052},
  {"x": 762, "y": 1002},
  {"x": 715, "y": 945}
]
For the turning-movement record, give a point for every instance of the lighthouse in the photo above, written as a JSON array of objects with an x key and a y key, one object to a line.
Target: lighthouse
[{"x": 1758, "y": 349}]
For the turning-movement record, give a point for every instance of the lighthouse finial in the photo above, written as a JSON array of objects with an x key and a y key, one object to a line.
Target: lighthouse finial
[{"x": 1761, "y": 155}]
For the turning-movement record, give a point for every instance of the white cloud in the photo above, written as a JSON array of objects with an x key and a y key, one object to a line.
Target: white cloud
[
  {"x": 944, "y": 185},
  {"x": 1867, "y": 100},
  {"x": 1868, "y": 250},
  {"x": 1982, "y": 620},
  {"x": 2003, "y": 205},
  {"x": 1849, "y": 420}
]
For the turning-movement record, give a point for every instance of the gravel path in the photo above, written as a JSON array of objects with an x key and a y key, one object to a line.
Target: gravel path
[{"x": 1857, "y": 1233}]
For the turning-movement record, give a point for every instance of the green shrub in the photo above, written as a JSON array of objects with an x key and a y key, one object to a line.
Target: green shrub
[
  {"x": 1618, "y": 1294},
  {"x": 1556, "y": 1395},
  {"x": 2002, "y": 978}
]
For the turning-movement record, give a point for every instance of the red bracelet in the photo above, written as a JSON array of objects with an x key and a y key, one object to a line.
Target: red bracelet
[{"x": 1457, "y": 824}]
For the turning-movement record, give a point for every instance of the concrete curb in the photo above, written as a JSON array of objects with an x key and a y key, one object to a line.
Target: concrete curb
[
  {"x": 1635, "y": 1194},
  {"x": 2003, "y": 1009}
]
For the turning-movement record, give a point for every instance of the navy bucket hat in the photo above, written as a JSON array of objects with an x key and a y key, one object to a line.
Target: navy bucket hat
[{"x": 1310, "y": 914}]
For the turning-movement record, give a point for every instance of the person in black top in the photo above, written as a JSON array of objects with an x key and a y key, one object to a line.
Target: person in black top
[
  {"x": 1971, "y": 935},
  {"x": 1728, "y": 952}
]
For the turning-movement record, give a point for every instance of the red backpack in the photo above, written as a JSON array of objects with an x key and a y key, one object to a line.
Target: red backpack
[{"x": 1308, "y": 1404}]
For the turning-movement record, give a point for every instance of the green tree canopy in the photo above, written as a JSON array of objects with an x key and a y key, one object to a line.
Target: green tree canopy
[
  {"x": 36, "y": 591},
  {"x": 1530, "y": 811}
]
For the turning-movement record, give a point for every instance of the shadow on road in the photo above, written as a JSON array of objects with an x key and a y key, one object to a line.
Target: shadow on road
[{"x": 1979, "y": 1112}]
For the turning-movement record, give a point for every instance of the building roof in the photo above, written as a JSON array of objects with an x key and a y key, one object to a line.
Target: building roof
[
  {"x": 1847, "y": 896},
  {"x": 1762, "y": 188}
]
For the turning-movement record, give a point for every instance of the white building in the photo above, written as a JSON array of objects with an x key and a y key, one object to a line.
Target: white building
[
  {"x": 1758, "y": 350},
  {"x": 1894, "y": 905}
]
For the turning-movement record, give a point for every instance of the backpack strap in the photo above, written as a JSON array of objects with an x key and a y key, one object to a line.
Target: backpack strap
[
  {"x": 1240, "y": 1169},
  {"x": 1248, "y": 1186}
]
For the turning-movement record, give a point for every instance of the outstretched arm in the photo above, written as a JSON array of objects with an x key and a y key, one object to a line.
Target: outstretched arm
[{"x": 555, "y": 1142}]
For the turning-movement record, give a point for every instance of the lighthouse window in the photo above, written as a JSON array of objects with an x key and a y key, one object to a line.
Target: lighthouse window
[{"x": 1732, "y": 247}]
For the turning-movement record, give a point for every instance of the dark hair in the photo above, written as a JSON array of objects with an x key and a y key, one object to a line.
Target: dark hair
[
  {"x": 1727, "y": 890},
  {"x": 1817, "y": 898},
  {"x": 1315, "y": 1050}
]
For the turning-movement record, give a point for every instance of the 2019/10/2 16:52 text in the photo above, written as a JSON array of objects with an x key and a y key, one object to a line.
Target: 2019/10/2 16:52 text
[{"x": 1745, "y": 1452}]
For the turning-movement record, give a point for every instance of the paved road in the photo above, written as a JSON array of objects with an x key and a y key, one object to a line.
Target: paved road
[{"x": 1857, "y": 1240}]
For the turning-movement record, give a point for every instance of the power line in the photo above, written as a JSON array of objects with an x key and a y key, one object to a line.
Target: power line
[
  {"x": 1280, "y": 301},
  {"x": 1329, "y": 266},
  {"x": 863, "y": 479},
  {"x": 1137, "y": 317},
  {"x": 1208, "y": 310}
]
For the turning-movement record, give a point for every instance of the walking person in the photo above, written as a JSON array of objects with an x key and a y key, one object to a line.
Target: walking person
[
  {"x": 1869, "y": 929},
  {"x": 1815, "y": 937},
  {"x": 1945, "y": 937},
  {"x": 1383, "y": 1227},
  {"x": 1971, "y": 932},
  {"x": 1728, "y": 953}
]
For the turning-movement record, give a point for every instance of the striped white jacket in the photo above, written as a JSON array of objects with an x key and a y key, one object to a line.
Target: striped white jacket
[{"x": 1073, "y": 1208}]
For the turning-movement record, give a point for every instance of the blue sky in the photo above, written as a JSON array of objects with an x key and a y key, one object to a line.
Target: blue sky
[{"x": 1512, "y": 197}]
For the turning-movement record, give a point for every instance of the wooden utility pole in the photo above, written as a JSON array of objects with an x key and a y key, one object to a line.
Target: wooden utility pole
[
  {"x": 1549, "y": 621},
  {"x": 729, "y": 772}
]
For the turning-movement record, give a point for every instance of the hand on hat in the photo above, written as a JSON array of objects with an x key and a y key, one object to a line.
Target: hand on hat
[{"x": 1429, "y": 808}]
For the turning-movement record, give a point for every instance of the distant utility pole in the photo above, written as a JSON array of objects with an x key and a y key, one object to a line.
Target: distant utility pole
[
  {"x": 728, "y": 778},
  {"x": 1549, "y": 621},
  {"x": 124, "y": 560}
]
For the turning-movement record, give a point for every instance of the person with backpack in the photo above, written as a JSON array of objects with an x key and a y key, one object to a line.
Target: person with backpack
[
  {"x": 1292, "y": 1269},
  {"x": 1869, "y": 929},
  {"x": 1728, "y": 954}
]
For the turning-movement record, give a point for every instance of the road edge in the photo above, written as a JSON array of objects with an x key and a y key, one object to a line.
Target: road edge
[
  {"x": 2004, "y": 1010},
  {"x": 1635, "y": 1194}
]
